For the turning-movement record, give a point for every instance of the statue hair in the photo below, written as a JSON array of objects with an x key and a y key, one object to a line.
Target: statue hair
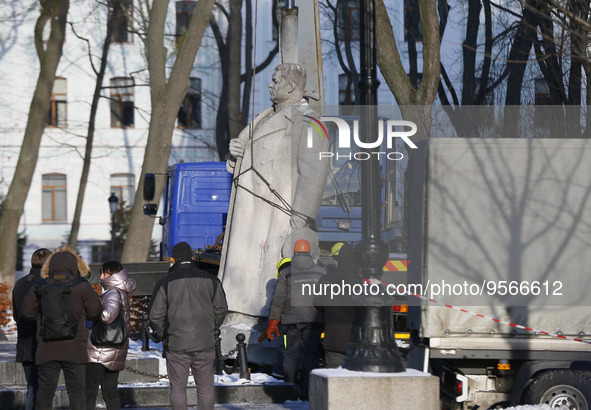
[{"x": 295, "y": 72}]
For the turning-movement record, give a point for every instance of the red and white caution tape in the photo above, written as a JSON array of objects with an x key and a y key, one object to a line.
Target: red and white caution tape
[{"x": 501, "y": 321}]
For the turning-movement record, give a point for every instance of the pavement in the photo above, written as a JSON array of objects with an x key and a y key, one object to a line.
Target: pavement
[
  {"x": 143, "y": 385},
  {"x": 294, "y": 405}
]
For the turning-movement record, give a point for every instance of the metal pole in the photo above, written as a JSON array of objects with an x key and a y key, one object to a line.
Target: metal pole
[
  {"x": 145, "y": 336},
  {"x": 113, "y": 236},
  {"x": 113, "y": 206},
  {"x": 372, "y": 347},
  {"x": 242, "y": 359}
]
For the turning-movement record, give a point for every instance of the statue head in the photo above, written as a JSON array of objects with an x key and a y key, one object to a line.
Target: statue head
[{"x": 288, "y": 84}]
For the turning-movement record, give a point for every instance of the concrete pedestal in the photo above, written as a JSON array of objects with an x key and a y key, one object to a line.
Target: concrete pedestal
[{"x": 332, "y": 389}]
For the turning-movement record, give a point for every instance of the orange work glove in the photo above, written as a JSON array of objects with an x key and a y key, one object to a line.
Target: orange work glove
[{"x": 272, "y": 329}]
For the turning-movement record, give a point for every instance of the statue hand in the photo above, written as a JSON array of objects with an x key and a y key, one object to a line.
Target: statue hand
[{"x": 237, "y": 147}]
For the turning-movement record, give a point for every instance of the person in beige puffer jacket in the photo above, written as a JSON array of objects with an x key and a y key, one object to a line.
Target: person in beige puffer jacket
[{"x": 106, "y": 362}]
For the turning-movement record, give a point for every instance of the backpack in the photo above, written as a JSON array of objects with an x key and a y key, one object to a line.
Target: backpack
[{"x": 57, "y": 316}]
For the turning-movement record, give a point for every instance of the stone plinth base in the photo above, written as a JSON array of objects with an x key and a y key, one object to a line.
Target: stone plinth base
[{"x": 332, "y": 389}]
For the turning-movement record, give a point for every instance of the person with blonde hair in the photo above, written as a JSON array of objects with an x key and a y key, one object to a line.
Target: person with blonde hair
[{"x": 61, "y": 302}]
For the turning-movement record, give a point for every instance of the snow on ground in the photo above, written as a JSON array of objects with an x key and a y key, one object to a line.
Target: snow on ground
[
  {"x": 340, "y": 372},
  {"x": 291, "y": 405},
  {"x": 299, "y": 405},
  {"x": 155, "y": 352}
]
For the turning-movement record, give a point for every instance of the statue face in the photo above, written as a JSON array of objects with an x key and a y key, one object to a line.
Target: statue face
[{"x": 280, "y": 88}]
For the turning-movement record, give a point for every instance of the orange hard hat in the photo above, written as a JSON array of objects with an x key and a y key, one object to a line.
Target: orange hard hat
[{"x": 301, "y": 245}]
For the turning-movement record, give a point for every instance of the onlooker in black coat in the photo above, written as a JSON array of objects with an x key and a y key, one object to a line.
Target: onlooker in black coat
[
  {"x": 26, "y": 345},
  {"x": 187, "y": 306}
]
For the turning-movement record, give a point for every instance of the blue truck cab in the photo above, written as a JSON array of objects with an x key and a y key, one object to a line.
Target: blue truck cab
[
  {"x": 339, "y": 214},
  {"x": 196, "y": 202}
]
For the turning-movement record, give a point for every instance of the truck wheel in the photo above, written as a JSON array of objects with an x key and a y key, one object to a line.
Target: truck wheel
[{"x": 560, "y": 389}]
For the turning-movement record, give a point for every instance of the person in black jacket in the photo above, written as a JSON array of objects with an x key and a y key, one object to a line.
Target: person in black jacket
[
  {"x": 187, "y": 306},
  {"x": 301, "y": 323},
  {"x": 63, "y": 266},
  {"x": 338, "y": 310},
  {"x": 26, "y": 345}
]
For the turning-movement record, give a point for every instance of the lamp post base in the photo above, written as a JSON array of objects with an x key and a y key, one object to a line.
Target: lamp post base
[{"x": 372, "y": 347}]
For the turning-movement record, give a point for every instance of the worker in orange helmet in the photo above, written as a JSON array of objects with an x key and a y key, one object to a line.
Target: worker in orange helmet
[{"x": 301, "y": 323}]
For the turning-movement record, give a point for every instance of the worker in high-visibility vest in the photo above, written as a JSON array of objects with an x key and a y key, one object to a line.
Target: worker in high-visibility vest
[{"x": 301, "y": 323}]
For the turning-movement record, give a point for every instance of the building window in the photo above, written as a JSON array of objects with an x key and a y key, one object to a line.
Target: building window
[
  {"x": 57, "y": 116},
  {"x": 346, "y": 98},
  {"x": 54, "y": 197},
  {"x": 122, "y": 21},
  {"x": 190, "y": 111},
  {"x": 412, "y": 21},
  {"x": 122, "y": 106},
  {"x": 123, "y": 185},
  {"x": 184, "y": 12},
  {"x": 542, "y": 90},
  {"x": 348, "y": 19}
]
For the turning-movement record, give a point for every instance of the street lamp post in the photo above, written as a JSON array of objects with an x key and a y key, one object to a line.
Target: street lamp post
[
  {"x": 113, "y": 205},
  {"x": 372, "y": 347}
]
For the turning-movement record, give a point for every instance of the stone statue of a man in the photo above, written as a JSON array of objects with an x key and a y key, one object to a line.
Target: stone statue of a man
[{"x": 278, "y": 184}]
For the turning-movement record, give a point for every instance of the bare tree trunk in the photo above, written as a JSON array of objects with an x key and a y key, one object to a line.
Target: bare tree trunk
[
  {"x": 469, "y": 52},
  {"x": 413, "y": 20},
  {"x": 519, "y": 55},
  {"x": 235, "y": 98},
  {"x": 391, "y": 65},
  {"x": 234, "y": 45},
  {"x": 578, "y": 57},
  {"x": 221, "y": 120},
  {"x": 55, "y": 14},
  {"x": 518, "y": 58},
  {"x": 488, "y": 44},
  {"x": 549, "y": 64},
  {"x": 73, "y": 237},
  {"x": 166, "y": 97}
]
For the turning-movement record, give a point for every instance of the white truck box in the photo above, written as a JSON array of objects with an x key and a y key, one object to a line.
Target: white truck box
[{"x": 491, "y": 210}]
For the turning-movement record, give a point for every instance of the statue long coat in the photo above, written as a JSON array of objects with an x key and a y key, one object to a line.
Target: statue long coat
[{"x": 276, "y": 158}]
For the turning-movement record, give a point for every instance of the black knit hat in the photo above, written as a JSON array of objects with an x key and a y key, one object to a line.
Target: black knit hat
[
  {"x": 63, "y": 262},
  {"x": 182, "y": 250}
]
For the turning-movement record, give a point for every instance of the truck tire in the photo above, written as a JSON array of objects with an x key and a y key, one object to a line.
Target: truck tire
[{"x": 560, "y": 389}]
